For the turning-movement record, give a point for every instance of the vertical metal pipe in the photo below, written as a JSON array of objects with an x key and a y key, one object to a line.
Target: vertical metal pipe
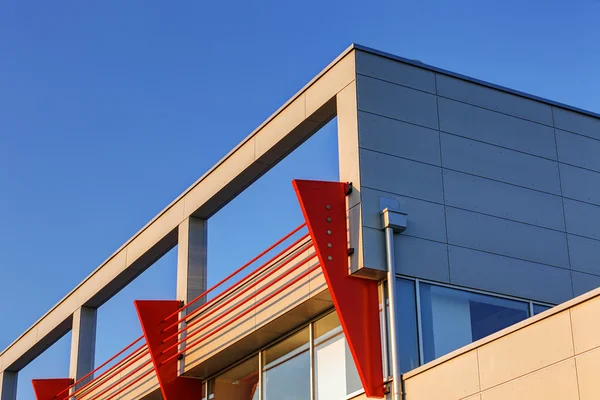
[
  {"x": 311, "y": 347},
  {"x": 384, "y": 338},
  {"x": 260, "y": 375},
  {"x": 391, "y": 284}
]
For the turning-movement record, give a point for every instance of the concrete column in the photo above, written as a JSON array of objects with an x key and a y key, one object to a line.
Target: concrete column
[
  {"x": 83, "y": 344},
  {"x": 8, "y": 385},
  {"x": 192, "y": 260},
  {"x": 191, "y": 267}
]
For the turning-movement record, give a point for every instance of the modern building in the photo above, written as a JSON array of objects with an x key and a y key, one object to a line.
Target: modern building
[{"x": 457, "y": 258}]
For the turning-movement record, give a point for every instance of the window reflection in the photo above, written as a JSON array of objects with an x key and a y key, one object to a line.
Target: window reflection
[
  {"x": 538, "y": 308},
  {"x": 238, "y": 383},
  {"x": 286, "y": 373},
  {"x": 406, "y": 308},
  {"x": 454, "y": 318},
  {"x": 335, "y": 373}
]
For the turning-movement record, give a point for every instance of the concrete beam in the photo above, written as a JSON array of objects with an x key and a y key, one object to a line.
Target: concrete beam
[
  {"x": 8, "y": 385},
  {"x": 83, "y": 344},
  {"x": 306, "y": 112},
  {"x": 192, "y": 260}
]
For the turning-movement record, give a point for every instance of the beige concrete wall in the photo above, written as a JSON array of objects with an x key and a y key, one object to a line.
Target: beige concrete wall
[{"x": 554, "y": 355}]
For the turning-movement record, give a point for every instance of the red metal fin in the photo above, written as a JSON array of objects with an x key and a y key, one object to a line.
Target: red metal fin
[
  {"x": 46, "y": 389},
  {"x": 356, "y": 300},
  {"x": 153, "y": 318}
]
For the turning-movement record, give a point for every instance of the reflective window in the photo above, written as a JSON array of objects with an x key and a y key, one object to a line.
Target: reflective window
[
  {"x": 453, "y": 318},
  {"x": 335, "y": 373},
  {"x": 238, "y": 383},
  {"x": 406, "y": 308},
  {"x": 286, "y": 371},
  {"x": 538, "y": 308}
]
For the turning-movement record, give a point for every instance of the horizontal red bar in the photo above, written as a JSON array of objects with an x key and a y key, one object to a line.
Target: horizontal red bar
[
  {"x": 237, "y": 271},
  {"x": 97, "y": 382},
  {"x": 130, "y": 384},
  {"x": 239, "y": 294},
  {"x": 211, "y": 322},
  {"x": 235, "y": 285},
  {"x": 100, "y": 367},
  {"x": 278, "y": 291},
  {"x": 112, "y": 386}
]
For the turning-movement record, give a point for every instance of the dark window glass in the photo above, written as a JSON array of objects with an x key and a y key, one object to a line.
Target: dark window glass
[
  {"x": 538, "y": 308},
  {"x": 406, "y": 308},
  {"x": 453, "y": 318}
]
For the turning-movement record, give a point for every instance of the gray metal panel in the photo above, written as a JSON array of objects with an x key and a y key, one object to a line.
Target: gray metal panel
[
  {"x": 509, "y": 276},
  {"x": 394, "y": 71},
  {"x": 582, "y": 218},
  {"x": 495, "y": 128},
  {"x": 494, "y": 162},
  {"x": 421, "y": 258},
  {"x": 398, "y": 138},
  {"x": 576, "y": 122},
  {"x": 500, "y": 236},
  {"x": 578, "y": 150},
  {"x": 426, "y": 220},
  {"x": 400, "y": 176},
  {"x": 503, "y": 200},
  {"x": 580, "y": 184},
  {"x": 374, "y": 249},
  {"x": 396, "y": 102},
  {"x": 584, "y": 254},
  {"x": 492, "y": 99},
  {"x": 583, "y": 283}
]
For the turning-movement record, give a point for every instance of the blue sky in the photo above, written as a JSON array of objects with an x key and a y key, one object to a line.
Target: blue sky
[{"x": 110, "y": 109}]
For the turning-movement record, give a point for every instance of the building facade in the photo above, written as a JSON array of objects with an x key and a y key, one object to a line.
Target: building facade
[{"x": 463, "y": 210}]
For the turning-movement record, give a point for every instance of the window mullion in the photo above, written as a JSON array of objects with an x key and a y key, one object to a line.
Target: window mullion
[{"x": 419, "y": 324}]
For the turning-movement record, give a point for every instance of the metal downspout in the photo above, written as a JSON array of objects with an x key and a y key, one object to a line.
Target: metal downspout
[{"x": 393, "y": 221}]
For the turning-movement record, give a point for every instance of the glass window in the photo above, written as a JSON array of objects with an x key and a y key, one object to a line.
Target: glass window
[
  {"x": 335, "y": 373},
  {"x": 453, "y": 318},
  {"x": 538, "y": 308},
  {"x": 406, "y": 308},
  {"x": 238, "y": 383},
  {"x": 286, "y": 373}
]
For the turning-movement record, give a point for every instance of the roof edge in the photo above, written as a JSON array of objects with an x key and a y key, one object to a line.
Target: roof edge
[{"x": 473, "y": 80}]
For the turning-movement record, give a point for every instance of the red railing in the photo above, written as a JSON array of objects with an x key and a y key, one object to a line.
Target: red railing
[{"x": 94, "y": 389}]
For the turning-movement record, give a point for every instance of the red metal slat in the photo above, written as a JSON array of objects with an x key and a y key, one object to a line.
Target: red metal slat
[
  {"x": 237, "y": 270},
  {"x": 117, "y": 383},
  {"x": 238, "y": 295},
  {"x": 130, "y": 384},
  {"x": 239, "y": 282},
  {"x": 356, "y": 300},
  {"x": 277, "y": 292},
  {"x": 262, "y": 289},
  {"x": 100, "y": 367},
  {"x": 95, "y": 384}
]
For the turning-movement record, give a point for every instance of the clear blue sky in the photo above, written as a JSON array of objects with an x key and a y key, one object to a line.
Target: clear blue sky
[{"x": 110, "y": 109}]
